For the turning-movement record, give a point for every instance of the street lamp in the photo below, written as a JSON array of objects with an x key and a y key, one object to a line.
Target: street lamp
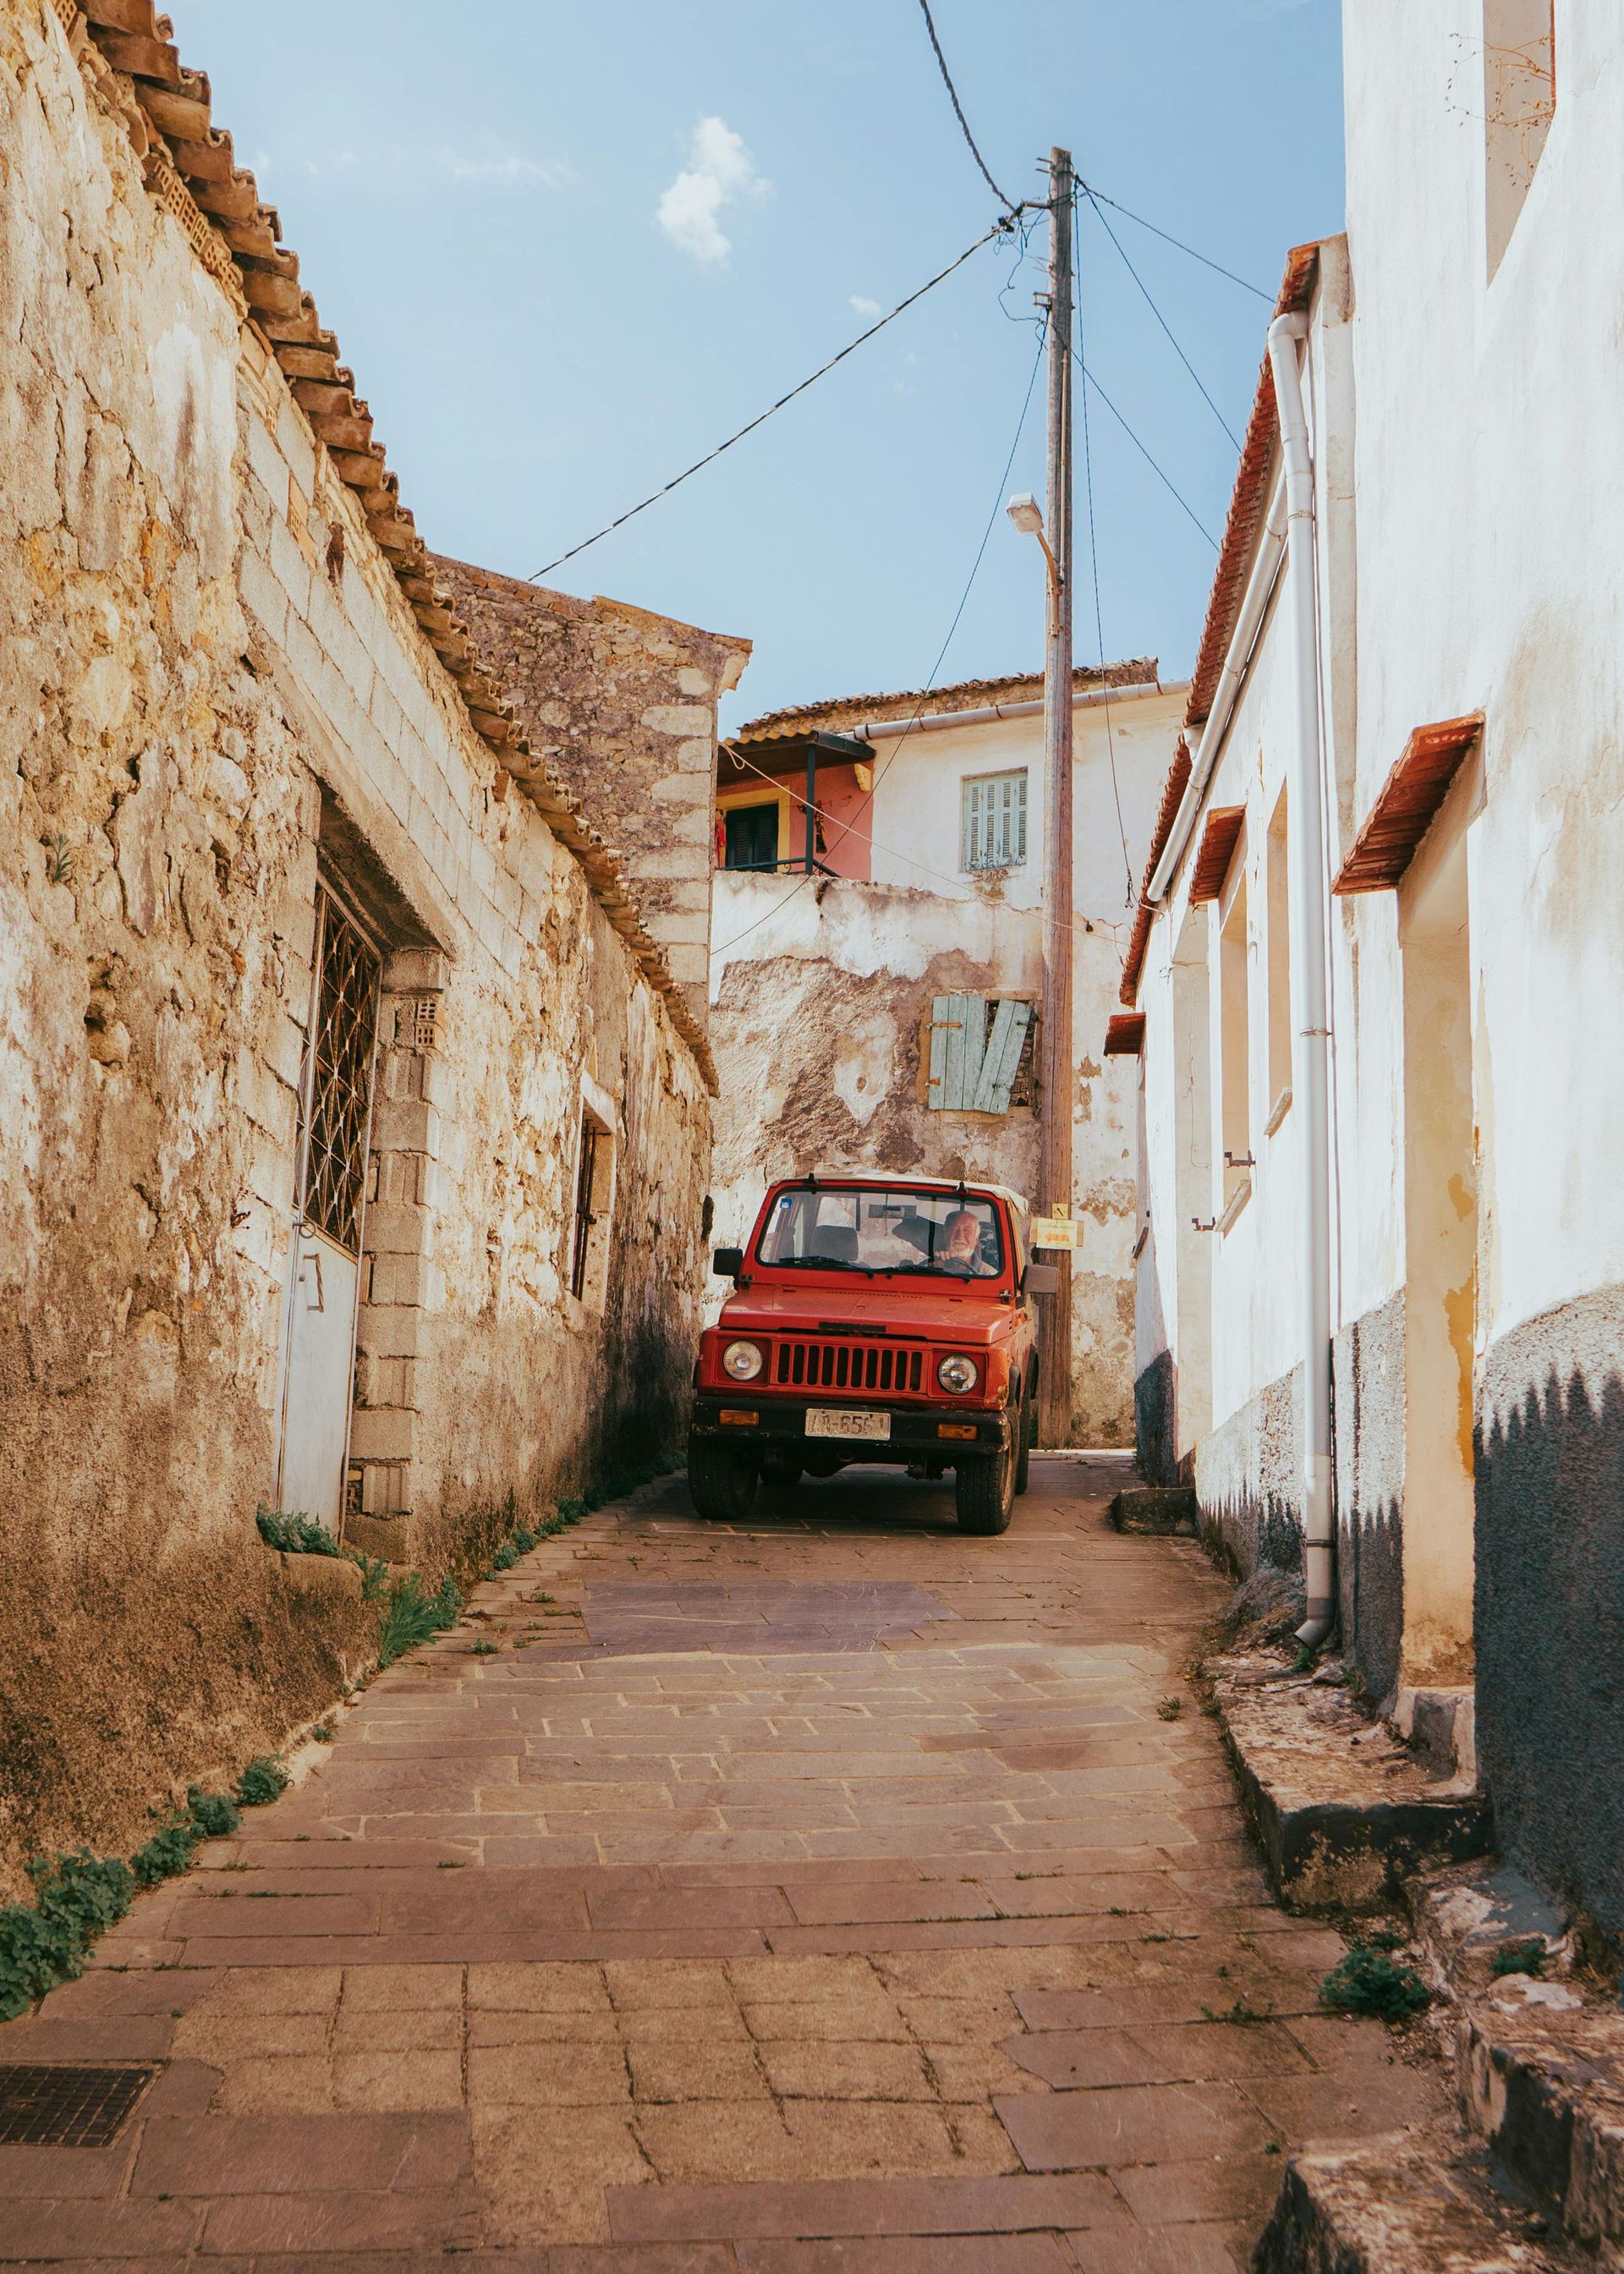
[{"x": 1027, "y": 516}]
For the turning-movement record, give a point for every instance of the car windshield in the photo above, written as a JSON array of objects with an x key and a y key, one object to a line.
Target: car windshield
[{"x": 888, "y": 1229}]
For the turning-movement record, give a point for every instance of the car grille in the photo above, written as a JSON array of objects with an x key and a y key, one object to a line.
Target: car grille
[{"x": 889, "y": 1369}]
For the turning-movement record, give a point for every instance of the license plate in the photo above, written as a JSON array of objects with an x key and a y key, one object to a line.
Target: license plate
[{"x": 847, "y": 1421}]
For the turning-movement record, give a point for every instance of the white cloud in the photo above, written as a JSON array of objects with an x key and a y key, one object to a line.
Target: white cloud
[
  {"x": 719, "y": 171},
  {"x": 546, "y": 173},
  {"x": 864, "y": 306}
]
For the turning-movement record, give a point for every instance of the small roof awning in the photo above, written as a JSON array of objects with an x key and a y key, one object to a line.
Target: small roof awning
[
  {"x": 1406, "y": 805},
  {"x": 1124, "y": 1035},
  {"x": 1216, "y": 851}
]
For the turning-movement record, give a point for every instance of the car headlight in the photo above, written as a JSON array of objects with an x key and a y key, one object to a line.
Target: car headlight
[
  {"x": 742, "y": 1362},
  {"x": 957, "y": 1373}
]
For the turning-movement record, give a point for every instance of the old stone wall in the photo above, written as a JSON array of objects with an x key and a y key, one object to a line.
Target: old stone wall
[
  {"x": 213, "y": 700},
  {"x": 622, "y": 703}
]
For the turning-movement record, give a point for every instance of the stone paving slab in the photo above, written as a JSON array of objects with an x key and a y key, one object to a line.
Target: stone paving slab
[{"x": 833, "y": 1891}]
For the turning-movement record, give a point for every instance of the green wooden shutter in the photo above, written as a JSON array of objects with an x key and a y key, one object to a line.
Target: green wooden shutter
[{"x": 1003, "y": 1049}]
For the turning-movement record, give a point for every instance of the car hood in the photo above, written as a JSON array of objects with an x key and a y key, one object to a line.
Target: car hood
[{"x": 891, "y": 1308}]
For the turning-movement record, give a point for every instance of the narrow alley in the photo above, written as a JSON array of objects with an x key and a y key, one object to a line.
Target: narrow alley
[{"x": 836, "y": 1891}]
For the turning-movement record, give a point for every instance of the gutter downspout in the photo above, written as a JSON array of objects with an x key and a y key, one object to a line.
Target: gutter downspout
[
  {"x": 1312, "y": 1042},
  {"x": 1259, "y": 584}
]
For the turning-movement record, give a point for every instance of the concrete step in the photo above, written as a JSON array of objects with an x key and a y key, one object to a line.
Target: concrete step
[
  {"x": 1344, "y": 1812},
  {"x": 1397, "y": 2205},
  {"x": 1156, "y": 1509},
  {"x": 1544, "y": 2086}
]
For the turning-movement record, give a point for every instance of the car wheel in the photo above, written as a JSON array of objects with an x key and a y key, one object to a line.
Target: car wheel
[
  {"x": 779, "y": 1467},
  {"x": 984, "y": 1492},
  {"x": 1025, "y": 1423},
  {"x": 721, "y": 1480}
]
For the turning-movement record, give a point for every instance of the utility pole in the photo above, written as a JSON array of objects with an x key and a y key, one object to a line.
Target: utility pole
[{"x": 1055, "y": 1131}]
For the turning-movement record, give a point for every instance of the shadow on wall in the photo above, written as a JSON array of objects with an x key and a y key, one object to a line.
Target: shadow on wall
[
  {"x": 1550, "y": 1609},
  {"x": 1369, "y": 1592},
  {"x": 1256, "y": 1532}
]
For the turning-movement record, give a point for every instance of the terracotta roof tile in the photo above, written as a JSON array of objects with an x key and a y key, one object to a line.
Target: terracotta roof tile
[
  {"x": 1406, "y": 805},
  {"x": 189, "y": 165},
  {"x": 1139, "y": 939},
  {"x": 965, "y": 694}
]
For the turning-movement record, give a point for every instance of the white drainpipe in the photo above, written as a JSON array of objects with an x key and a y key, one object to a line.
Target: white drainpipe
[
  {"x": 1311, "y": 1051},
  {"x": 1259, "y": 584}
]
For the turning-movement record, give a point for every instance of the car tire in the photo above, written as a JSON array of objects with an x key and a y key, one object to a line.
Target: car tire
[
  {"x": 1025, "y": 1423},
  {"x": 984, "y": 1492},
  {"x": 722, "y": 1480}
]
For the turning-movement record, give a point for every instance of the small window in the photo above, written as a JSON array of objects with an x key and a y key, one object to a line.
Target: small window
[
  {"x": 1279, "y": 947},
  {"x": 995, "y": 821},
  {"x": 588, "y": 1249},
  {"x": 1234, "y": 1036},
  {"x": 750, "y": 836}
]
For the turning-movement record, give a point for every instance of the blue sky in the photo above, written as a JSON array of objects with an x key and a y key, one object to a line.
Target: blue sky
[{"x": 567, "y": 250}]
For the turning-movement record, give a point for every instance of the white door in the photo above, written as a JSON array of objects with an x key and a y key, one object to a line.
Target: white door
[{"x": 325, "y": 1262}]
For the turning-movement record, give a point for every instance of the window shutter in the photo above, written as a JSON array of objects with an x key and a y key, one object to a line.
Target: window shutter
[
  {"x": 995, "y": 821},
  {"x": 1003, "y": 1049},
  {"x": 957, "y": 1051}
]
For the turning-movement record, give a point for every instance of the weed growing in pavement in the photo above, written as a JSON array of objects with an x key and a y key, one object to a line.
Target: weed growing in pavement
[
  {"x": 1525, "y": 1956},
  {"x": 325, "y": 1732},
  {"x": 294, "y": 1535},
  {"x": 1241, "y": 2013},
  {"x": 486, "y": 1650},
  {"x": 262, "y": 1782},
  {"x": 1371, "y": 1981},
  {"x": 1169, "y": 1709},
  {"x": 44, "y": 1942},
  {"x": 1306, "y": 1661}
]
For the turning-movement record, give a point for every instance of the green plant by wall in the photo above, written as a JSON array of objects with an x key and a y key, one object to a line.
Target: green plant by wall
[
  {"x": 294, "y": 1535},
  {"x": 1370, "y": 1981},
  {"x": 167, "y": 1854},
  {"x": 44, "y": 1942},
  {"x": 1526, "y": 1956},
  {"x": 410, "y": 1615},
  {"x": 215, "y": 1816},
  {"x": 262, "y": 1782}
]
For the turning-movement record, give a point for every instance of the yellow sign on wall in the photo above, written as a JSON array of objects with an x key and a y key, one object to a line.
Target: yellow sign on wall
[{"x": 1054, "y": 1231}]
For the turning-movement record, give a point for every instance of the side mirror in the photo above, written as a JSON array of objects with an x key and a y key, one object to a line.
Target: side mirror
[
  {"x": 728, "y": 1262},
  {"x": 1040, "y": 1279}
]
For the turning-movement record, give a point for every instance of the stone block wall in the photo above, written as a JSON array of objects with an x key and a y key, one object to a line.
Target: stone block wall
[
  {"x": 623, "y": 706},
  {"x": 214, "y": 695}
]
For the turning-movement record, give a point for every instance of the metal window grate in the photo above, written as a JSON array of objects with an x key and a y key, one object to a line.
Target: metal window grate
[
  {"x": 45, "y": 2106},
  {"x": 586, "y": 1176},
  {"x": 342, "y": 1079},
  {"x": 995, "y": 821}
]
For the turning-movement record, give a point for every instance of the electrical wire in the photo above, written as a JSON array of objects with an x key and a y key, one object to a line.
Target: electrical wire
[
  {"x": 1217, "y": 267},
  {"x": 1144, "y": 453},
  {"x": 952, "y": 96},
  {"x": 999, "y": 228},
  {"x": 1094, "y": 564},
  {"x": 881, "y": 770},
  {"x": 1162, "y": 320}
]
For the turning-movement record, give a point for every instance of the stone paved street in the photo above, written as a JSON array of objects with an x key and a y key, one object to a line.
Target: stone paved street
[{"x": 831, "y": 1894}]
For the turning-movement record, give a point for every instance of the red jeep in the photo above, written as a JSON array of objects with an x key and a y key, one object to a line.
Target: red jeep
[{"x": 874, "y": 1318}]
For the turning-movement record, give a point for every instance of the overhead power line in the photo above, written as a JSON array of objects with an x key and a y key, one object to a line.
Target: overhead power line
[
  {"x": 1162, "y": 319},
  {"x": 998, "y": 228},
  {"x": 1217, "y": 267},
  {"x": 1163, "y": 478},
  {"x": 953, "y": 95},
  {"x": 909, "y": 725}
]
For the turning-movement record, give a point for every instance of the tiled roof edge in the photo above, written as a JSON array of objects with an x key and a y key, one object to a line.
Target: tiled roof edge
[
  {"x": 962, "y": 696},
  {"x": 128, "y": 49}
]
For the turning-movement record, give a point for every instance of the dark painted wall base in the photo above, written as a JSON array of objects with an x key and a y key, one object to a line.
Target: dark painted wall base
[
  {"x": 1367, "y": 1368},
  {"x": 1550, "y": 1599},
  {"x": 1155, "y": 1403}
]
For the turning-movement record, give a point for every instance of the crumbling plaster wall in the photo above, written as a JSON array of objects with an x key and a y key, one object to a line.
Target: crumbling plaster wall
[
  {"x": 622, "y": 705},
  {"x": 208, "y": 679},
  {"x": 820, "y": 1004}
]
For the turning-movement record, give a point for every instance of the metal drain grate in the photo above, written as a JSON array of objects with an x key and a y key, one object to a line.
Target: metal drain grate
[{"x": 52, "y": 2107}]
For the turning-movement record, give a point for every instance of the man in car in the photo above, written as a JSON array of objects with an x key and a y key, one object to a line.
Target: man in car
[{"x": 961, "y": 1249}]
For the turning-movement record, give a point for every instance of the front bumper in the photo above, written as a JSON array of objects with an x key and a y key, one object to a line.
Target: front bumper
[{"x": 915, "y": 1430}]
